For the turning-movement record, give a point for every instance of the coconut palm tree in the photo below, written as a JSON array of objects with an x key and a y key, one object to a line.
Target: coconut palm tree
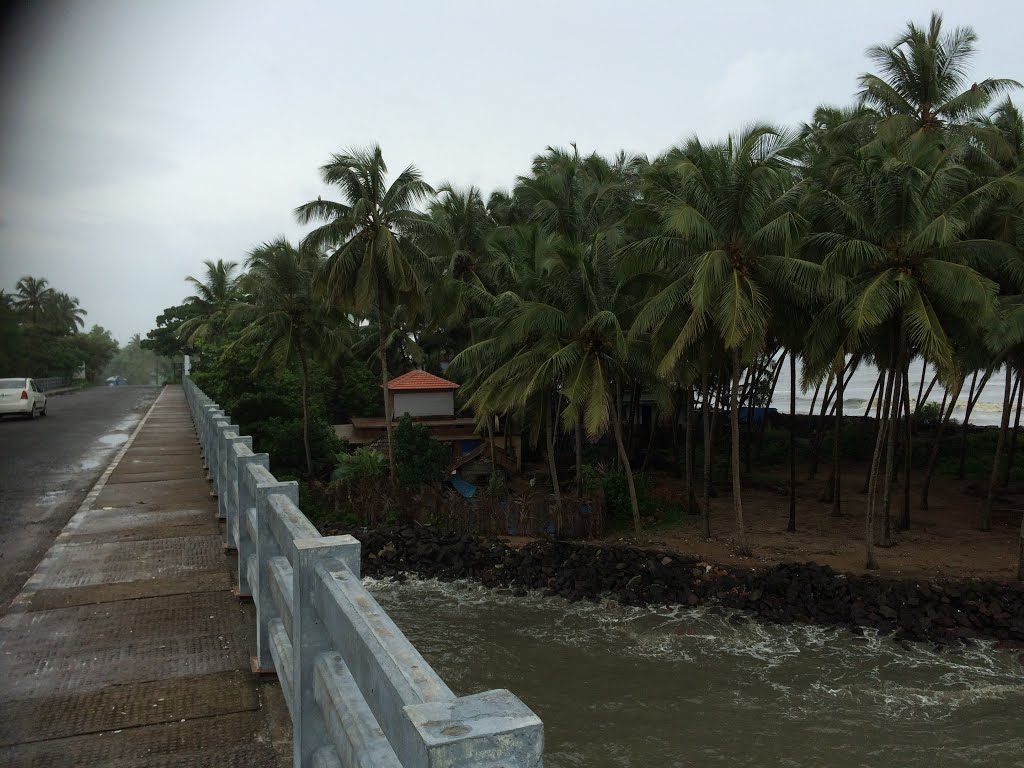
[
  {"x": 212, "y": 301},
  {"x": 373, "y": 261},
  {"x": 456, "y": 239},
  {"x": 32, "y": 298},
  {"x": 498, "y": 368},
  {"x": 899, "y": 255},
  {"x": 65, "y": 316},
  {"x": 284, "y": 316},
  {"x": 728, "y": 231},
  {"x": 921, "y": 83}
]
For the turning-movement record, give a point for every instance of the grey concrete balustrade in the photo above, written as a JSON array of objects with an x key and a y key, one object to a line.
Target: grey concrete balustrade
[{"x": 359, "y": 693}]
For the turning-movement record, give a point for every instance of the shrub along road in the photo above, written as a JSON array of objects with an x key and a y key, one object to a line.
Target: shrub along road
[{"x": 47, "y": 467}]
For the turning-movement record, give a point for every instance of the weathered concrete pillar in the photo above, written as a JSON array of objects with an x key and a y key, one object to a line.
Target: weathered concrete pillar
[
  {"x": 214, "y": 417},
  {"x": 220, "y": 425},
  {"x": 227, "y": 501},
  {"x": 309, "y": 635},
  {"x": 206, "y": 416},
  {"x": 246, "y": 501},
  {"x": 493, "y": 728},
  {"x": 266, "y": 547}
]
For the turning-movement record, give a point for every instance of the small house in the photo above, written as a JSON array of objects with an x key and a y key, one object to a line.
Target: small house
[
  {"x": 429, "y": 400},
  {"x": 422, "y": 395}
]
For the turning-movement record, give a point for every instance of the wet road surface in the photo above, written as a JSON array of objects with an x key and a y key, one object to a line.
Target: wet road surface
[{"x": 47, "y": 467}]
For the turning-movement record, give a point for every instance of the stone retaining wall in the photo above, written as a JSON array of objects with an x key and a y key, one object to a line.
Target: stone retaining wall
[{"x": 942, "y": 613}]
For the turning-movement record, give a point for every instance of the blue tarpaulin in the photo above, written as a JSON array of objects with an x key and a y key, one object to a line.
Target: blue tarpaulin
[
  {"x": 466, "y": 489},
  {"x": 757, "y": 415}
]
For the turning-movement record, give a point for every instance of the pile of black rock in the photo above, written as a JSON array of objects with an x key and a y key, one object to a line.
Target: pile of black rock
[{"x": 942, "y": 613}]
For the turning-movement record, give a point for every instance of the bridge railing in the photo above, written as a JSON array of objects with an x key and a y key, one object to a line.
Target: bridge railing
[{"x": 359, "y": 693}]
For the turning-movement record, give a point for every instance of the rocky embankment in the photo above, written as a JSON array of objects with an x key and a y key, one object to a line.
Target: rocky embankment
[{"x": 793, "y": 592}]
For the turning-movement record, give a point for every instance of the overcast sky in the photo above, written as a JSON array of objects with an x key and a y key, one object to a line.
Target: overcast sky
[{"x": 140, "y": 137}]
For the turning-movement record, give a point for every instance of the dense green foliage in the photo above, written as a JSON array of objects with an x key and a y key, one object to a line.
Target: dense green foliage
[
  {"x": 269, "y": 406},
  {"x": 420, "y": 459},
  {"x": 881, "y": 232}
]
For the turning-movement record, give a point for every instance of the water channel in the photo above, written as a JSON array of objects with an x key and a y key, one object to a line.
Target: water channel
[{"x": 631, "y": 687}]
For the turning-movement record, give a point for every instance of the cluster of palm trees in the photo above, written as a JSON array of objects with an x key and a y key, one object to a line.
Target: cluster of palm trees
[
  {"x": 35, "y": 302},
  {"x": 878, "y": 233}
]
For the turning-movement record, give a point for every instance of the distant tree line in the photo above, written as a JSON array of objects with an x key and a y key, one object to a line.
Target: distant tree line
[{"x": 41, "y": 334}]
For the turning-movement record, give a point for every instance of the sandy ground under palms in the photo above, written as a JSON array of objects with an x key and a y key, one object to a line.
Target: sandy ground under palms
[{"x": 943, "y": 543}]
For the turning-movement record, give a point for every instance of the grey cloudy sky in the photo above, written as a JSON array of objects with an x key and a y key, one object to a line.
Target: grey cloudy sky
[{"x": 139, "y": 137}]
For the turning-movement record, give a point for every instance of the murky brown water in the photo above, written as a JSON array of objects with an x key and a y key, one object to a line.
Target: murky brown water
[{"x": 637, "y": 687}]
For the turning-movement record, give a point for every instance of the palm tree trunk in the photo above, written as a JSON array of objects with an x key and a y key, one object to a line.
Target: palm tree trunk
[
  {"x": 924, "y": 398},
  {"x": 1004, "y": 466},
  {"x": 737, "y": 501},
  {"x": 814, "y": 400},
  {"x": 634, "y": 408},
  {"x": 651, "y": 432},
  {"x": 705, "y": 513},
  {"x": 878, "y": 422},
  {"x": 579, "y": 458},
  {"x": 871, "y": 563},
  {"x": 1004, "y": 425},
  {"x": 886, "y": 539},
  {"x": 937, "y": 442},
  {"x": 819, "y": 424},
  {"x": 305, "y": 412},
  {"x": 837, "y": 510},
  {"x": 767, "y": 404},
  {"x": 384, "y": 377},
  {"x": 1020, "y": 552},
  {"x": 624, "y": 456},
  {"x": 903, "y": 521},
  {"x": 876, "y": 391},
  {"x": 1013, "y": 435},
  {"x": 688, "y": 451},
  {"x": 791, "y": 524},
  {"x": 552, "y": 466},
  {"x": 921, "y": 385},
  {"x": 747, "y": 400},
  {"x": 719, "y": 396},
  {"x": 972, "y": 399}
]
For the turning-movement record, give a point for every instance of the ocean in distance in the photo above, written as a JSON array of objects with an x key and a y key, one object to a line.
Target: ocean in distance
[{"x": 987, "y": 412}]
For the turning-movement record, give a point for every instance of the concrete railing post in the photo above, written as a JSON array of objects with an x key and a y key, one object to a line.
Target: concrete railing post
[
  {"x": 310, "y": 637},
  {"x": 493, "y": 728},
  {"x": 212, "y": 413},
  {"x": 227, "y": 501},
  {"x": 220, "y": 426},
  {"x": 246, "y": 501},
  {"x": 266, "y": 548}
]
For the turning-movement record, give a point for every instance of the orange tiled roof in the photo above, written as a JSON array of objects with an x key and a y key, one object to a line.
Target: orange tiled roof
[{"x": 414, "y": 381}]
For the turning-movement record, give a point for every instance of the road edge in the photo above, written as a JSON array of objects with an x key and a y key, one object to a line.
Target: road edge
[{"x": 18, "y": 605}]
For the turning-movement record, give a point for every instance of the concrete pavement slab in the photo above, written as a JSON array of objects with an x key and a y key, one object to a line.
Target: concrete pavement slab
[{"x": 126, "y": 647}]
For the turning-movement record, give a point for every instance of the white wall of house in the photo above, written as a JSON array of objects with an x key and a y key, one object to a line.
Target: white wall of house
[{"x": 441, "y": 403}]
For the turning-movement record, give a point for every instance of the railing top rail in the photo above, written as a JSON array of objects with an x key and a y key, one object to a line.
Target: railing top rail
[
  {"x": 358, "y": 690},
  {"x": 288, "y": 523},
  {"x": 346, "y": 606}
]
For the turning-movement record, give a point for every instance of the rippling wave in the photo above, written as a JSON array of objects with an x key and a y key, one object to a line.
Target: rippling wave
[{"x": 640, "y": 670}]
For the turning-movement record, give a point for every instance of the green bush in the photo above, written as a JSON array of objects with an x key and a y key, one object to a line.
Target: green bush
[
  {"x": 363, "y": 465},
  {"x": 616, "y": 496},
  {"x": 497, "y": 485},
  {"x": 981, "y": 452},
  {"x": 282, "y": 438},
  {"x": 420, "y": 460}
]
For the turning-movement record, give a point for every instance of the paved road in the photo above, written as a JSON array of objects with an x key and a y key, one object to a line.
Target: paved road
[{"x": 47, "y": 467}]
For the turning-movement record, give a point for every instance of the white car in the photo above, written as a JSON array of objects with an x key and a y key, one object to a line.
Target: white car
[{"x": 21, "y": 397}]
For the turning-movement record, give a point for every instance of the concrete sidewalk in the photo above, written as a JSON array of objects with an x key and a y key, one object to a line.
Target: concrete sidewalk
[{"x": 126, "y": 647}]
